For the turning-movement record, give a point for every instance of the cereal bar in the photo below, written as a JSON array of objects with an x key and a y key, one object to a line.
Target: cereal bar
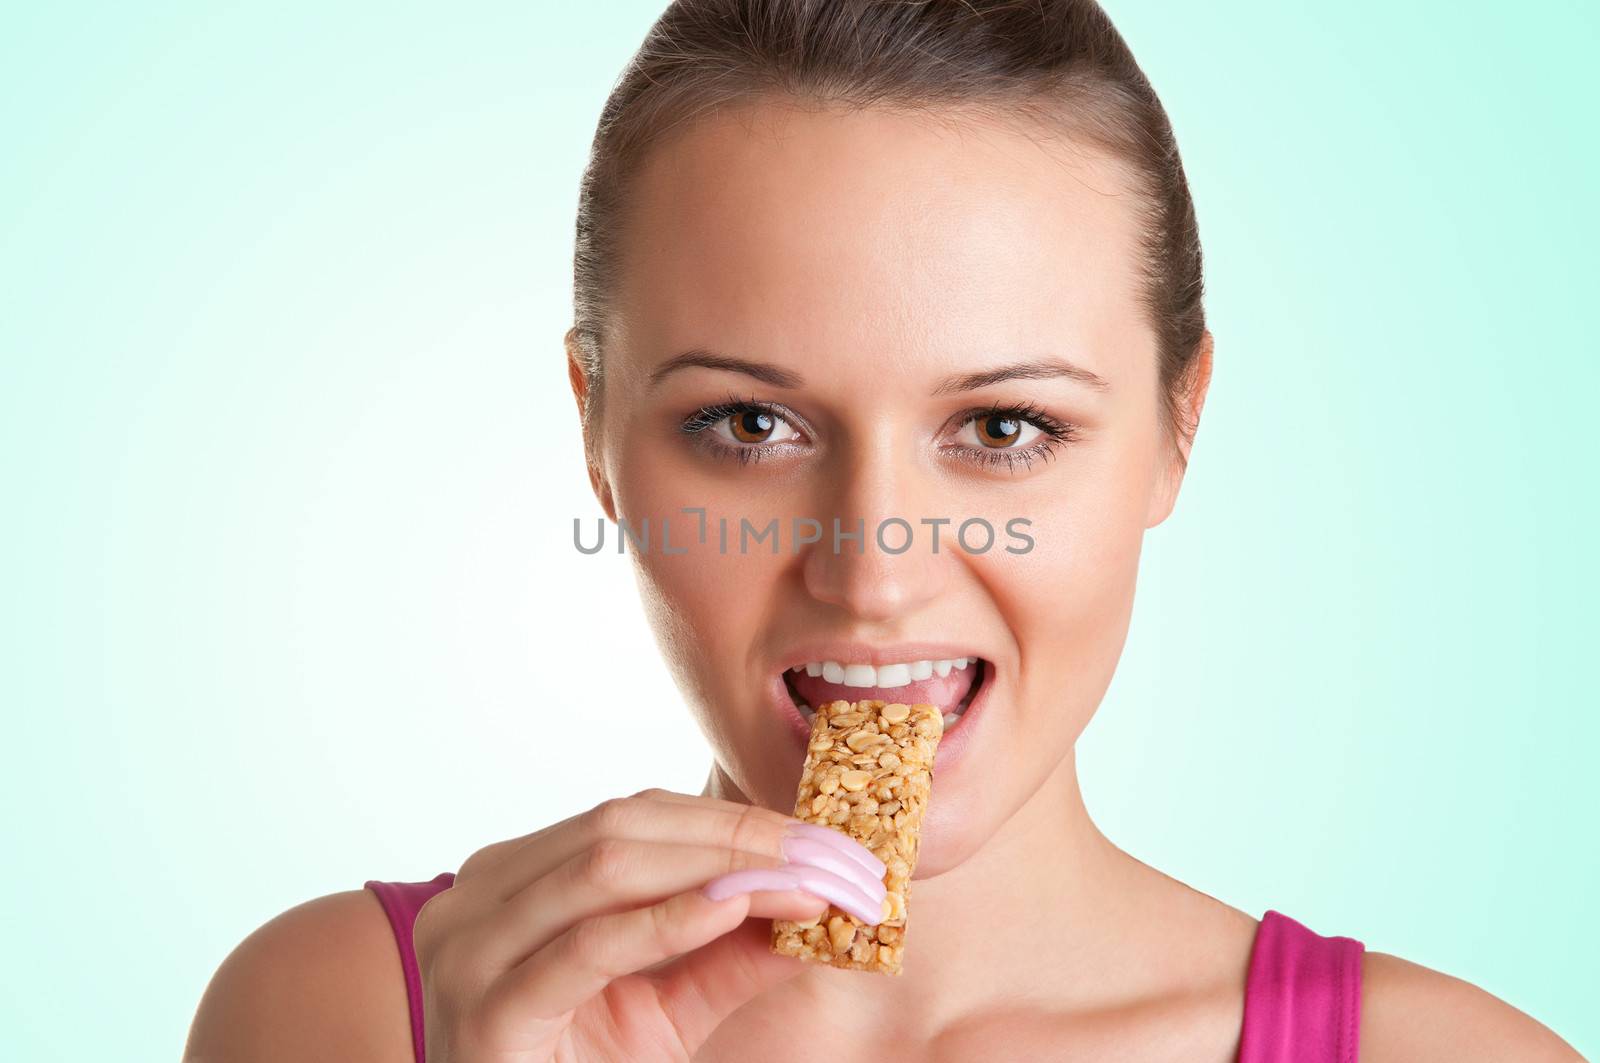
[{"x": 868, "y": 770}]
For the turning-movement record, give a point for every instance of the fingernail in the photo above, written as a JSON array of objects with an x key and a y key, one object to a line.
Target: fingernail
[
  {"x": 840, "y": 841},
  {"x": 748, "y": 881},
  {"x": 800, "y": 849},
  {"x": 838, "y": 891},
  {"x": 815, "y": 880}
]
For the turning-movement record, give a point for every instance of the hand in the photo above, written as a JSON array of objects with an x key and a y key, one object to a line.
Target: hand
[{"x": 621, "y": 933}]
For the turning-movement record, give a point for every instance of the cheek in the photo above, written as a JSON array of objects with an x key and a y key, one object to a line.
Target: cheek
[
  {"x": 1070, "y": 599},
  {"x": 706, "y": 604}
]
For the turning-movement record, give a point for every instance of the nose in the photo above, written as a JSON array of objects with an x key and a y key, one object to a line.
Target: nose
[{"x": 878, "y": 562}]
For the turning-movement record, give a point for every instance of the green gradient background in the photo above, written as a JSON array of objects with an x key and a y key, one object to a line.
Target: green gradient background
[{"x": 289, "y": 467}]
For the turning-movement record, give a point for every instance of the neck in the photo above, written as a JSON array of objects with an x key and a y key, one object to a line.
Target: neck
[{"x": 1047, "y": 901}]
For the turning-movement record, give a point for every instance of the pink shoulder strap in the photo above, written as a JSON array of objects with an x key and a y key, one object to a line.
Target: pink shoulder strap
[
  {"x": 402, "y": 901},
  {"x": 1302, "y": 998}
]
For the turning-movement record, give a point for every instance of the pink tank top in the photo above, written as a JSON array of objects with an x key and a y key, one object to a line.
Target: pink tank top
[{"x": 1302, "y": 996}]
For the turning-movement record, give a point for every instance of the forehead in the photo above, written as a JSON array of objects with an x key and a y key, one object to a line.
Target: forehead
[{"x": 786, "y": 233}]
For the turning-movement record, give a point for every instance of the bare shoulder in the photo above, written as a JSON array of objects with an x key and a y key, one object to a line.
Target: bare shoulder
[
  {"x": 1415, "y": 1014},
  {"x": 319, "y": 982}
]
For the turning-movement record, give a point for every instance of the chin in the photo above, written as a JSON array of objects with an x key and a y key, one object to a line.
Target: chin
[
  {"x": 975, "y": 767},
  {"x": 953, "y": 829}
]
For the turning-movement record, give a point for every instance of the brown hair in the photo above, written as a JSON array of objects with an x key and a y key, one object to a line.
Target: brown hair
[{"x": 1058, "y": 61}]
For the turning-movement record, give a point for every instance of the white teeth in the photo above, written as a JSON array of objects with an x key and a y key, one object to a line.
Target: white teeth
[
  {"x": 894, "y": 675},
  {"x": 860, "y": 675},
  {"x": 883, "y": 676}
]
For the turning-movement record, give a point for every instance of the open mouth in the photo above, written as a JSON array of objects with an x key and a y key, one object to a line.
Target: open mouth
[{"x": 950, "y": 684}]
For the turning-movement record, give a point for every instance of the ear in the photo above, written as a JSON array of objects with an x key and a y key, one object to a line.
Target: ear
[
  {"x": 1192, "y": 399},
  {"x": 578, "y": 378}
]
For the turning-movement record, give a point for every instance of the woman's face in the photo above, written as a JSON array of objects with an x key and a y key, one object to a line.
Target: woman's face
[{"x": 868, "y": 316}]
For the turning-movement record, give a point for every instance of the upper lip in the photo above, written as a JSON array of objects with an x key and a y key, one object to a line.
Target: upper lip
[{"x": 849, "y": 652}]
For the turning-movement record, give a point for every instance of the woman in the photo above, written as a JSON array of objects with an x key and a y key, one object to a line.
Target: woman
[{"x": 852, "y": 275}]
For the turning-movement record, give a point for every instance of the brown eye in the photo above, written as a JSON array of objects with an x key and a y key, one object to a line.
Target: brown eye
[
  {"x": 752, "y": 426},
  {"x": 999, "y": 430},
  {"x": 755, "y": 426}
]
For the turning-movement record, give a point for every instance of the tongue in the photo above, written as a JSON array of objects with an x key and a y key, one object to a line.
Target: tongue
[{"x": 944, "y": 691}]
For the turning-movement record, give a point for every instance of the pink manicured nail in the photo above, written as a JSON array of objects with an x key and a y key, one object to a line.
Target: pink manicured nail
[
  {"x": 748, "y": 881},
  {"x": 813, "y": 880},
  {"x": 800, "y": 849},
  {"x": 842, "y": 892},
  {"x": 840, "y": 841}
]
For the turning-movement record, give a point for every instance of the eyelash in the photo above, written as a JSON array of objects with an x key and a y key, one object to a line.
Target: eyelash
[{"x": 1054, "y": 433}]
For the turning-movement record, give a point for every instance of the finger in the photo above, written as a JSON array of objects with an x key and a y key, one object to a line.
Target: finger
[
  {"x": 804, "y": 849},
  {"x": 842, "y": 842},
  {"x": 816, "y": 880},
  {"x": 683, "y": 819},
  {"x": 596, "y": 952},
  {"x": 700, "y": 990},
  {"x": 826, "y": 835},
  {"x": 675, "y": 798},
  {"x": 786, "y": 904},
  {"x": 477, "y": 866},
  {"x": 614, "y": 876},
  {"x": 635, "y": 818},
  {"x": 610, "y": 876}
]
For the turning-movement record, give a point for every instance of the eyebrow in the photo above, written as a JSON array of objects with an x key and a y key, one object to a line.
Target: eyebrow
[
  {"x": 770, "y": 374},
  {"x": 1038, "y": 369}
]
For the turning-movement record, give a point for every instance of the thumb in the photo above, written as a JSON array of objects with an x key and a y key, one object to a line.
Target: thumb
[{"x": 702, "y": 988}]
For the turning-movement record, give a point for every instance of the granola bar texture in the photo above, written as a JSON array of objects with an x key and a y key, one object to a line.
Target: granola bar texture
[{"x": 868, "y": 772}]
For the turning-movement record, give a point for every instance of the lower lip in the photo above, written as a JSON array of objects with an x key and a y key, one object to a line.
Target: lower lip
[{"x": 951, "y": 746}]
